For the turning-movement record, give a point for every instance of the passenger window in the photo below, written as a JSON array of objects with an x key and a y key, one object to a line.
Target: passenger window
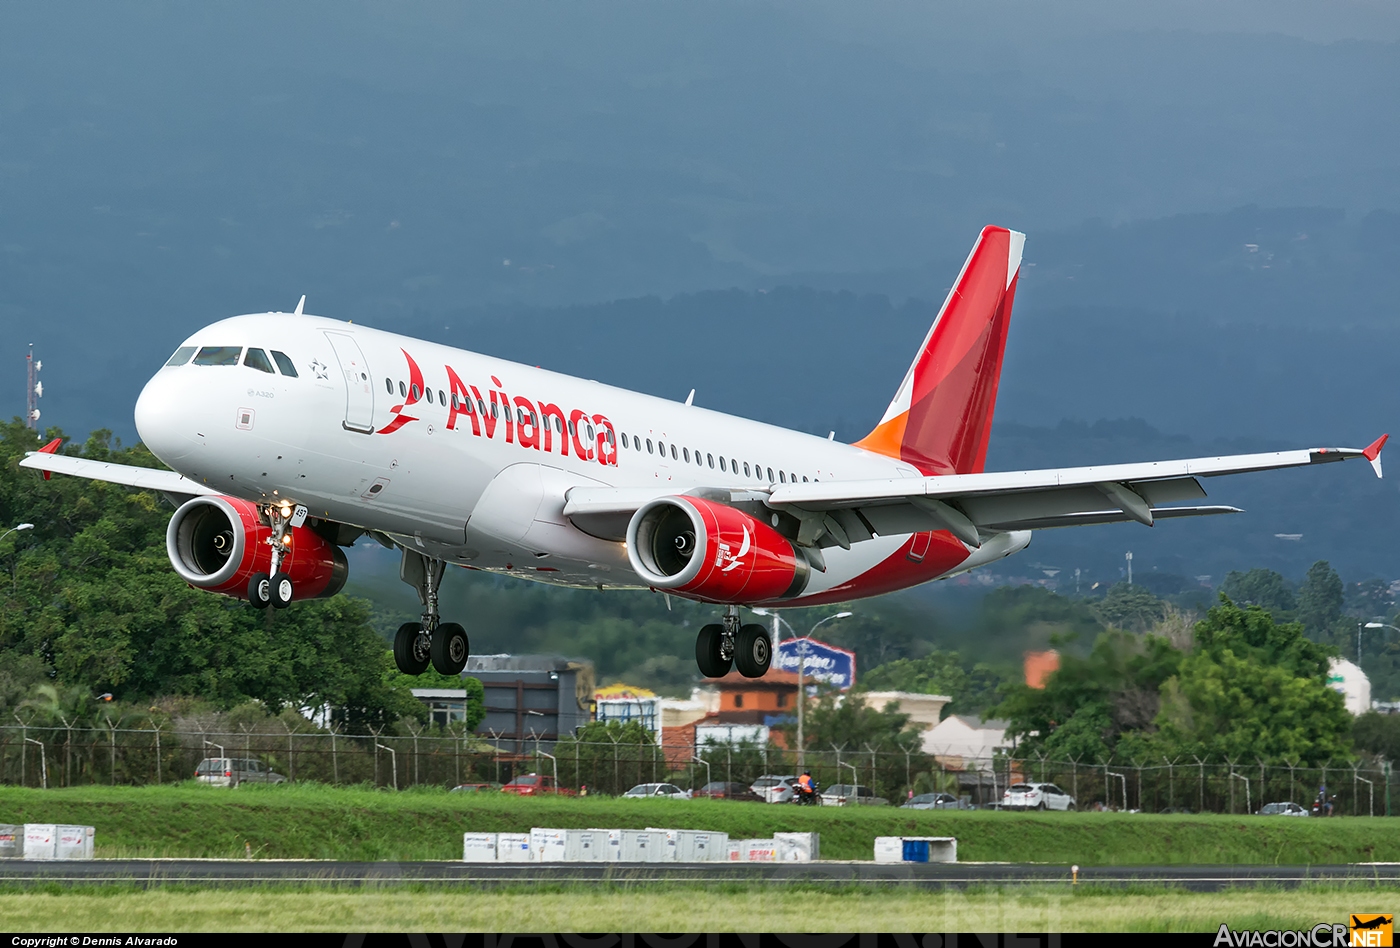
[
  {"x": 430, "y": 396},
  {"x": 792, "y": 478},
  {"x": 442, "y": 399},
  {"x": 218, "y": 355},
  {"x": 389, "y": 386},
  {"x": 781, "y": 478},
  {"x": 721, "y": 462},
  {"x": 649, "y": 449},
  {"x": 770, "y": 475},
  {"x": 181, "y": 356},
  {"x": 686, "y": 452},
  {"x": 734, "y": 465},
  {"x": 804, "y": 478},
  {"x": 746, "y": 468},
  {"x": 625, "y": 442},
  {"x": 591, "y": 433},
  {"x": 494, "y": 413},
  {"x": 609, "y": 436},
  {"x": 711, "y": 459},
  {"x": 661, "y": 448},
  {"x": 284, "y": 363},
  {"x": 482, "y": 405},
  {"x": 403, "y": 390},
  {"x": 257, "y": 359},
  {"x": 416, "y": 393},
  {"x": 673, "y": 453}
]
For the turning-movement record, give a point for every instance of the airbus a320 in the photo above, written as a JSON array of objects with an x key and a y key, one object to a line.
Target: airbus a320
[{"x": 290, "y": 436}]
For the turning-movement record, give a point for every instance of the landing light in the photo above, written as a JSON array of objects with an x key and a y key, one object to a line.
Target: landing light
[{"x": 287, "y": 540}]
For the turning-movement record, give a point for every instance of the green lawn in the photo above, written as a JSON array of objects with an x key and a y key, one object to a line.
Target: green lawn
[
  {"x": 310, "y": 821},
  {"x": 671, "y": 909}
]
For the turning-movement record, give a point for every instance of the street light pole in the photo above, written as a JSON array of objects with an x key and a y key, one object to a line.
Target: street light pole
[
  {"x": 18, "y": 526},
  {"x": 801, "y": 673}
]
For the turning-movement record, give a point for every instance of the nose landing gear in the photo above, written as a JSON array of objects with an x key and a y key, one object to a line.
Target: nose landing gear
[
  {"x": 745, "y": 647},
  {"x": 275, "y": 588},
  {"x": 417, "y": 644}
]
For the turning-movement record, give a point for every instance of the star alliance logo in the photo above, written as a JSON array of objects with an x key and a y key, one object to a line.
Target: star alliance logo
[{"x": 319, "y": 367}]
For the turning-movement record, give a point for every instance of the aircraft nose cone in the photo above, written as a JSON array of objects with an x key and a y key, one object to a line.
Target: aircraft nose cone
[{"x": 160, "y": 420}]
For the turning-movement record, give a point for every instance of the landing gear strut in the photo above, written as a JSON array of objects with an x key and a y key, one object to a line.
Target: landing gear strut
[
  {"x": 275, "y": 588},
  {"x": 745, "y": 647},
  {"x": 430, "y": 640}
]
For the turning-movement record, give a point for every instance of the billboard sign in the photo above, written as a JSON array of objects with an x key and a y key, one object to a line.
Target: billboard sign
[{"x": 825, "y": 663}]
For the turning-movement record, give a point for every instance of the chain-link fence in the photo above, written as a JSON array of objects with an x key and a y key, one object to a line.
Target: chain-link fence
[{"x": 76, "y": 756}]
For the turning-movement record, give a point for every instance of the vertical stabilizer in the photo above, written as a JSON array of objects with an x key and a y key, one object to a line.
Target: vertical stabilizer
[{"x": 941, "y": 417}]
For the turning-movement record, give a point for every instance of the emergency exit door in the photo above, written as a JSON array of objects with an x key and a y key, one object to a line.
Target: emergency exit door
[{"x": 359, "y": 388}]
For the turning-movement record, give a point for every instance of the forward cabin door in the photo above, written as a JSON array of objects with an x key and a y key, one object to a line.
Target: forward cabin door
[{"x": 359, "y": 387}]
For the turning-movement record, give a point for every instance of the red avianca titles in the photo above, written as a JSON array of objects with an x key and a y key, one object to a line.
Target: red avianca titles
[{"x": 291, "y": 436}]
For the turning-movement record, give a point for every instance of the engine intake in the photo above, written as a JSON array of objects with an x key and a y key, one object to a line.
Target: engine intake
[
  {"x": 714, "y": 552},
  {"x": 217, "y": 543}
]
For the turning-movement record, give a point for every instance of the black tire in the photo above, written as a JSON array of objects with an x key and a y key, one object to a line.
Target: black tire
[
  {"x": 259, "y": 591},
  {"x": 753, "y": 651},
  {"x": 1071, "y": 808},
  {"x": 281, "y": 590},
  {"x": 1042, "y": 806},
  {"x": 449, "y": 649},
  {"x": 707, "y": 654},
  {"x": 411, "y": 651}
]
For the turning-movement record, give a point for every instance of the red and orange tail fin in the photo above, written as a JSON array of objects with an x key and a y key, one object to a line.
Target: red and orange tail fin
[
  {"x": 50, "y": 448},
  {"x": 941, "y": 417}
]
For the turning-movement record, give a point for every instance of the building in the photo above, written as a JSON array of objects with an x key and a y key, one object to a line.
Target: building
[
  {"x": 769, "y": 700},
  {"x": 965, "y": 742},
  {"x": 1039, "y": 666},
  {"x": 532, "y": 699},
  {"x": 445, "y": 705},
  {"x": 623, "y": 703},
  {"x": 1348, "y": 680},
  {"x": 924, "y": 711}
]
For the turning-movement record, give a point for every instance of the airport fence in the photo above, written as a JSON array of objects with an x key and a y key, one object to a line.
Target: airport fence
[{"x": 78, "y": 756}]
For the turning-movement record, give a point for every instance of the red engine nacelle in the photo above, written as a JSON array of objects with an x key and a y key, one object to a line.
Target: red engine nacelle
[
  {"x": 218, "y": 543},
  {"x": 713, "y": 552}
]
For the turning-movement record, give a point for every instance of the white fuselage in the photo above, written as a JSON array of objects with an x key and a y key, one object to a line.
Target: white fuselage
[{"x": 481, "y": 489}]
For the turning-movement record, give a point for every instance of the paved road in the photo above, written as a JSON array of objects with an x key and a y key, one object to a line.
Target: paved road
[{"x": 219, "y": 872}]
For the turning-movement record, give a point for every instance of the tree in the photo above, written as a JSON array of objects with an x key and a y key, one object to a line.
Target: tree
[
  {"x": 1130, "y": 607},
  {"x": 1378, "y": 734},
  {"x": 610, "y": 756},
  {"x": 848, "y": 723},
  {"x": 1320, "y": 600},
  {"x": 1259, "y": 587},
  {"x": 971, "y": 688}
]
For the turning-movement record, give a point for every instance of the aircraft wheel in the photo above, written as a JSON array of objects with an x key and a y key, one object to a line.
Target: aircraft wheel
[
  {"x": 449, "y": 649},
  {"x": 281, "y": 590},
  {"x": 259, "y": 591},
  {"x": 707, "y": 652},
  {"x": 753, "y": 651},
  {"x": 411, "y": 649}
]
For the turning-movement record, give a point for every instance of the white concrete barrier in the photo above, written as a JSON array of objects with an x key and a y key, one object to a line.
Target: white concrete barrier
[
  {"x": 57, "y": 841},
  {"x": 753, "y": 850},
  {"x": 513, "y": 847},
  {"x": 11, "y": 840},
  {"x": 643, "y": 846},
  {"x": 612, "y": 842},
  {"x": 478, "y": 847},
  {"x": 916, "y": 849},
  {"x": 798, "y": 847}
]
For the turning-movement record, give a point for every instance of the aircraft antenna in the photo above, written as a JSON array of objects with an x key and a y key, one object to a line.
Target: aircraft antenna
[{"x": 34, "y": 390}]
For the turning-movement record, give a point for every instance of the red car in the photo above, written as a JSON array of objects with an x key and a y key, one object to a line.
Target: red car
[{"x": 529, "y": 785}]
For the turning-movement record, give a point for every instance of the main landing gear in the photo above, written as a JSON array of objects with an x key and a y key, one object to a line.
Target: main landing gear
[
  {"x": 444, "y": 645},
  {"x": 275, "y": 588},
  {"x": 745, "y": 647}
]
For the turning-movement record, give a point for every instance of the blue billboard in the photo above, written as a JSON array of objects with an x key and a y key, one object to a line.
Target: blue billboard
[{"x": 820, "y": 662}]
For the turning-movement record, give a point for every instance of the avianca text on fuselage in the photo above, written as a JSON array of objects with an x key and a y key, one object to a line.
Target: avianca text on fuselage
[{"x": 530, "y": 423}]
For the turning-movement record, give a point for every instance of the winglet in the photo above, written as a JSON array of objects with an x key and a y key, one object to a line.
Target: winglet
[
  {"x": 1372, "y": 453},
  {"x": 297, "y": 311},
  {"x": 50, "y": 448}
]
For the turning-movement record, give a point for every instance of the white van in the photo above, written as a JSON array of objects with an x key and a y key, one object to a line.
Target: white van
[{"x": 231, "y": 771}]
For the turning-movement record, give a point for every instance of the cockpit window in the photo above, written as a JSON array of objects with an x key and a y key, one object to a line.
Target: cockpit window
[
  {"x": 218, "y": 355},
  {"x": 257, "y": 359},
  {"x": 181, "y": 356},
  {"x": 284, "y": 363}
]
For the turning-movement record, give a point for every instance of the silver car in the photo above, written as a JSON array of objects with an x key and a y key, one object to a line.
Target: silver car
[
  {"x": 774, "y": 788},
  {"x": 1283, "y": 809},
  {"x": 658, "y": 790},
  {"x": 849, "y": 794},
  {"x": 231, "y": 771},
  {"x": 935, "y": 801}
]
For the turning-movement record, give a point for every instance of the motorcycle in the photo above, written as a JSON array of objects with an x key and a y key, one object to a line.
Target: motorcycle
[
  {"x": 806, "y": 797},
  {"x": 1324, "y": 807}
]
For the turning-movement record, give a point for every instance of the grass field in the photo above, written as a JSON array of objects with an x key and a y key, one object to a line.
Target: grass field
[
  {"x": 667, "y": 909},
  {"x": 319, "y": 822}
]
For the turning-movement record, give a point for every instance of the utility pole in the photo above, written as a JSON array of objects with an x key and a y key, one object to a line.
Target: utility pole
[
  {"x": 801, "y": 701},
  {"x": 34, "y": 390},
  {"x": 1129, "y": 558}
]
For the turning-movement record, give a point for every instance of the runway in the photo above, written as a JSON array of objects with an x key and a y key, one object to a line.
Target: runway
[{"x": 147, "y": 873}]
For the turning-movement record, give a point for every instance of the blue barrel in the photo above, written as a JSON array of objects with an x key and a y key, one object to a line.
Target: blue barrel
[{"x": 916, "y": 850}]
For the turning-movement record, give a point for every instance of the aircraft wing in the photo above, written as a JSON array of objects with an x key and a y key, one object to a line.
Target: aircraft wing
[
  {"x": 176, "y": 486},
  {"x": 839, "y": 513},
  {"x": 970, "y": 505}
]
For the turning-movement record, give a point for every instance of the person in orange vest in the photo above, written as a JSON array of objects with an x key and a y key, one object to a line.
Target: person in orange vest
[{"x": 804, "y": 783}]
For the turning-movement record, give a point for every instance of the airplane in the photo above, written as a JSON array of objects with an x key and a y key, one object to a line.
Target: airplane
[{"x": 290, "y": 436}]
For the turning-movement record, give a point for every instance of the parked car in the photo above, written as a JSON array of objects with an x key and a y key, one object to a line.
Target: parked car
[
  {"x": 475, "y": 788},
  {"x": 658, "y": 790},
  {"x": 231, "y": 771},
  {"x": 531, "y": 785},
  {"x": 1036, "y": 796},
  {"x": 1283, "y": 809},
  {"x": 774, "y": 788},
  {"x": 935, "y": 801},
  {"x": 850, "y": 794},
  {"x": 724, "y": 790}
]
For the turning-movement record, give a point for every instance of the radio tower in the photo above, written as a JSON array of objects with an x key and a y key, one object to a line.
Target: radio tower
[{"x": 34, "y": 392}]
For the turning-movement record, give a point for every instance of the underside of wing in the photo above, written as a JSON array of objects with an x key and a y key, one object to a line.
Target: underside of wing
[{"x": 175, "y": 486}]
